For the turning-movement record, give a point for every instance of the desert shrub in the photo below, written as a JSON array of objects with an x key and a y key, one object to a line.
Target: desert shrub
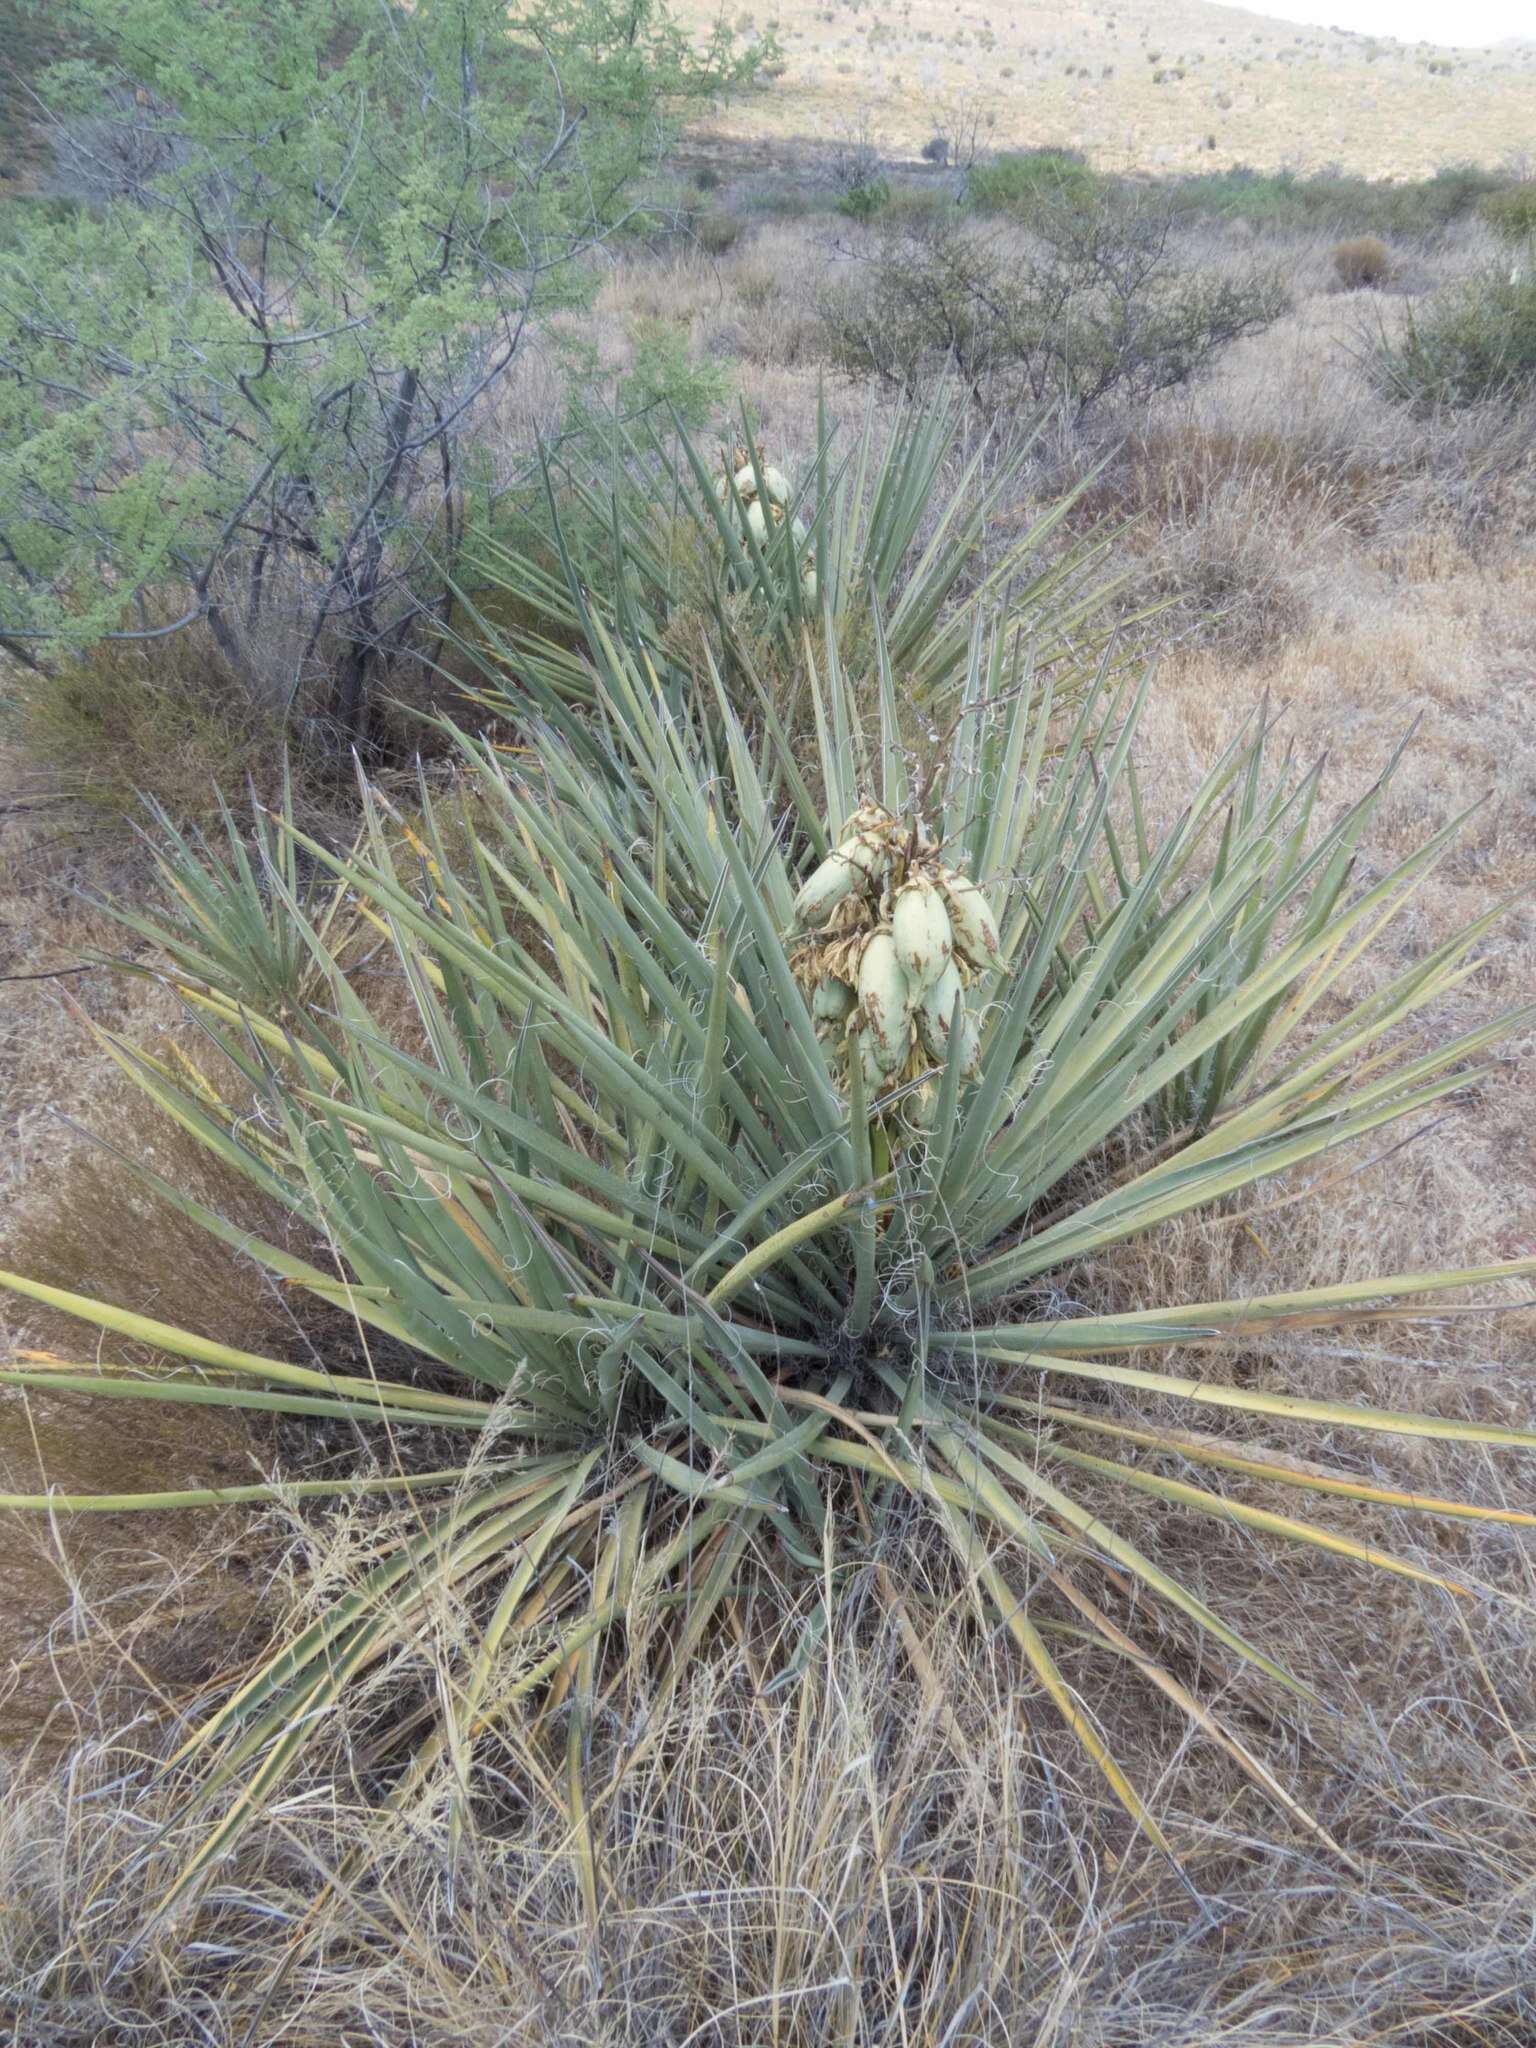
[
  {"x": 1512, "y": 213},
  {"x": 757, "y": 286},
  {"x": 863, "y": 202},
  {"x": 862, "y": 519},
  {"x": 1023, "y": 182},
  {"x": 664, "y": 374},
  {"x": 1282, "y": 201},
  {"x": 1454, "y": 193},
  {"x": 1363, "y": 262},
  {"x": 855, "y": 158},
  {"x": 936, "y": 150},
  {"x": 917, "y": 207},
  {"x": 717, "y": 231},
  {"x": 1473, "y": 343},
  {"x": 778, "y": 199},
  {"x": 704, "y": 1268},
  {"x": 1097, "y": 307},
  {"x": 184, "y": 421},
  {"x": 923, "y": 299}
]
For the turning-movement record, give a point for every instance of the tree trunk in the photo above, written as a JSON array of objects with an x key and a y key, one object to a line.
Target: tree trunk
[{"x": 349, "y": 701}]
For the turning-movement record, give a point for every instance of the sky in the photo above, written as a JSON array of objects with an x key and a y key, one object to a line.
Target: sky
[{"x": 1459, "y": 22}]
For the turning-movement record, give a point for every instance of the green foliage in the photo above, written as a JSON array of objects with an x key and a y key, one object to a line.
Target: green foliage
[
  {"x": 1472, "y": 344},
  {"x": 241, "y": 910},
  {"x": 779, "y": 199},
  {"x": 918, "y": 207},
  {"x": 1024, "y": 182},
  {"x": 22, "y": 213},
  {"x": 249, "y": 385},
  {"x": 665, "y": 376},
  {"x": 1282, "y": 201},
  {"x": 863, "y": 202},
  {"x": 1512, "y": 213},
  {"x": 699, "y": 1310},
  {"x": 906, "y": 515},
  {"x": 33, "y": 36}
]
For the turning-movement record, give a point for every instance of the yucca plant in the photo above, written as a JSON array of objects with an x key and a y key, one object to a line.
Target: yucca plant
[
  {"x": 701, "y": 1304},
  {"x": 897, "y": 525},
  {"x": 255, "y": 912}
]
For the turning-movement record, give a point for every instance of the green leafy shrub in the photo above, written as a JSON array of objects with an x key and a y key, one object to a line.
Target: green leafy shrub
[
  {"x": 22, "y": 213},
  {"x": 1474, "y": 343},
  {"x": 188, "y": 423},
  {"x": 665, "y": 375},
  {"x": 1362, "y": 263},
  {"x": 1022, "y": 182},
  {"x": 778, "y": 199},
  {"x": 863, "y": 202},
  {"x": 917, "y": 206},
  {"x": 1282, "y": 201}
]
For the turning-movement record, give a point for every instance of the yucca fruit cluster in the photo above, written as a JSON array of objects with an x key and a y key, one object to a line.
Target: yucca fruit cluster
[
  {"x": 764, "y": 495},
  {"x": 894, "y": 939}
]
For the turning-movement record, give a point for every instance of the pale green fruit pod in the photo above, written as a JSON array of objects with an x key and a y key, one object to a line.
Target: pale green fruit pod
[
  {"x": 970, "y": 915},
  {"x": 870, "y": 854},
  {"x": 808, "y": 584},
  {"x": 936, "y": 1021},
  {"x": 826, "y": 887},
  {"x": 832, "y": 1003},
  {"x": 921, "y": 929},
  {"x": 746, "y": 481},
  {"x": 886, "y": 999},
  {"x": 877, "y": 1078},
  {"x": 757, "y": 522},
  {"x": 845, "y": 868},
  {"x": 776, "y": 484},
  {"x": 935, "y": 1009}
]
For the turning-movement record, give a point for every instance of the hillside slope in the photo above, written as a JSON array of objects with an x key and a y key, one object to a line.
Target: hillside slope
[{"x": 1149, "y": 83}]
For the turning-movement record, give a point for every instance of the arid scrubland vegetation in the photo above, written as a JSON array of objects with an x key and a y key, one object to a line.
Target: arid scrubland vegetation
[
  {"x": 1165, "y": 84},
  {"x": 867, "y": 1763}
]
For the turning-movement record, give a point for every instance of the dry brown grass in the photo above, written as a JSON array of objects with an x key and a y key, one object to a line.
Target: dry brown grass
[
  {"x": 1145, "y": 83},
  {"x": 1362, "y": 263},
  {"x": 836, "y": 1862},
  {"x": 833, "y": 1863}
]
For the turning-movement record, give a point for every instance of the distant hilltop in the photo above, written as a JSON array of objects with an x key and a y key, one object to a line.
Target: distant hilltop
[{"x": 1176, "y": 84}]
